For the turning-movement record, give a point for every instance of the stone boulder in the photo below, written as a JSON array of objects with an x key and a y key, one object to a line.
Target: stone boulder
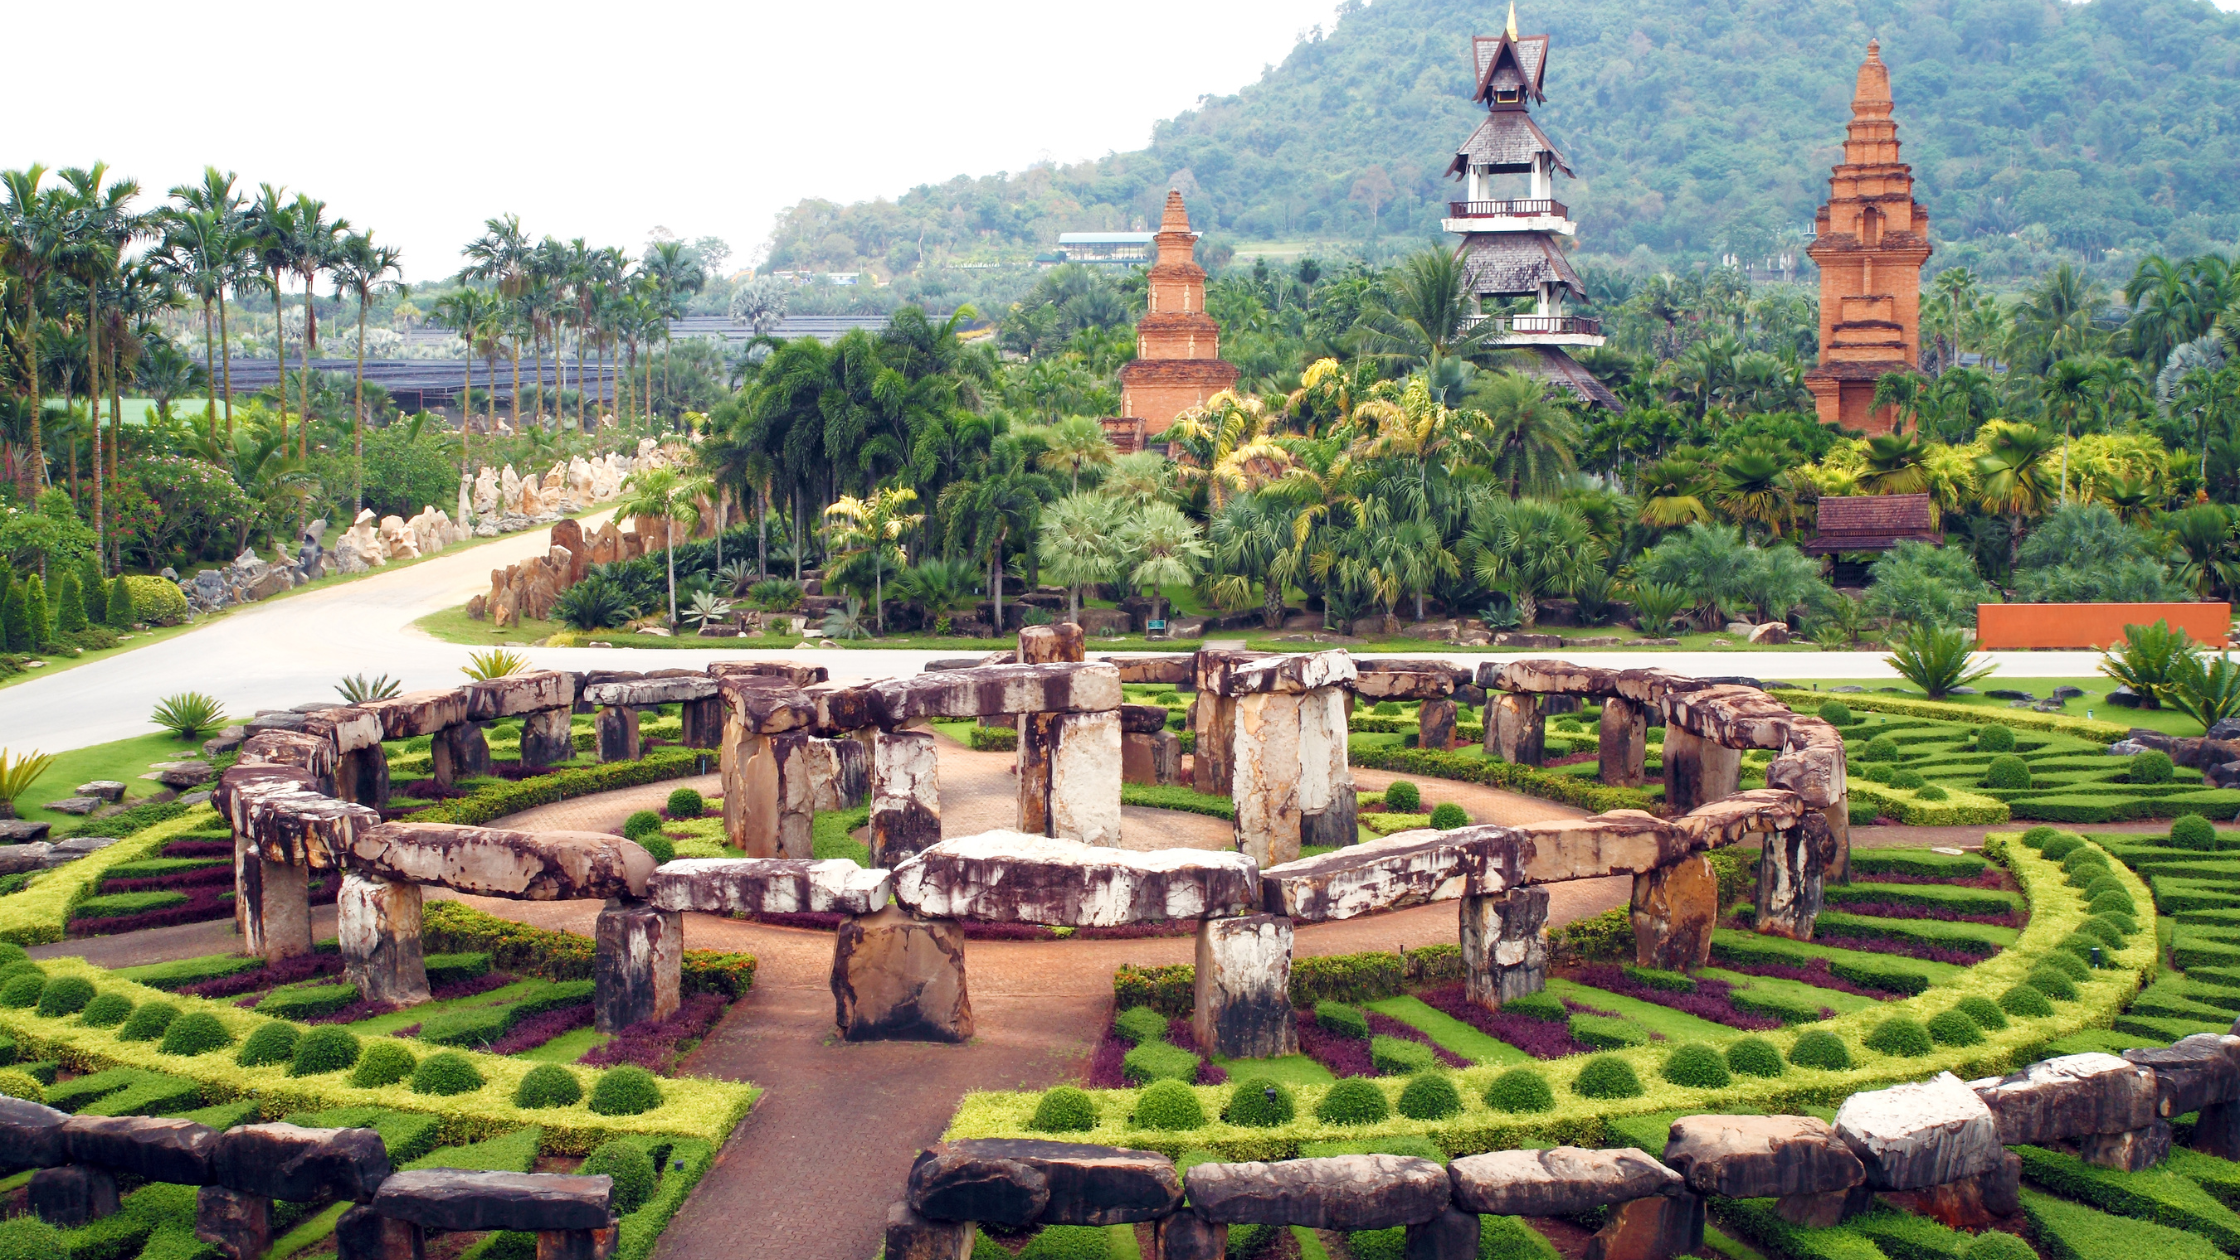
[
  {"x": 348, "y": 729},
  {"x": 1171, "y": 669},
  {"x": 2202, "y": 1070},
  {"x": 641, "y": 693},
  {"x": 2069, "y": 1097},
  {"x": 1752, "y": 1157},
  {"x": 1759, "y": 811},
  {"x": 1405, "y": 869},
  {"x": 303, "y": 828},
  {"x": 419, "y": 712},
  {"x": 451, "y": 1199},
  {"x": 1622, "y": 841},
  {"x": 1012, "y": 877},
  {"x": 287, "y": 748},
  {"x": 996, "y": 689},
  {"x": 1548, "y": 677},
  {"x": 896, "y": 977},
  {"x": 1232, "y": 673},
  {"x": 1074, "y": 1184},
  {"x": 30, "y": 1134},
  {"x": 527, "y": 866},
  {"x": 282, "y": 1161},
  {"x": 1390, "y": 679},
  {"x": 1772, "y": 632},
  {"x": 1142, "y": 719},
  {"x": 1925, "y": 1134},
  {"x": 159, "y": 1150},
  {"x": 761, "y": 705},
  {"x": 518, "y": 694},
  {"x": 1564, "y": 1181},
  {"x": 1342, "y": 1192},
  {"x": 768, "y": 886}
]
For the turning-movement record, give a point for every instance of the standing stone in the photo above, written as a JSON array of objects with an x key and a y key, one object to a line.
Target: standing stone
[
  {"x": 459, "y": 751},
  {"x": 364, "y": 1234},
  {"x": 1674, "y": 910},
  {"x": 776, "y": 792},
  {"x": 546, "y": 738},
  {"x": 1791, "y": 864},
  {"x": 1435, "y": 725},
  {"x": 70, "y": 1196},
  {"x": 618, "y": 733},
  {"x": 2134, "y": 1151},
  {"x": 1923, "y": 1134},
  {"x": 1516, "y": 728},
  {"x": 1838, "y": 816},
  {"x": 1655, "y": 1228},
  {"x": 896, "y": 977},
  {"x": 274, "y": 909},
  {"x": 576, "y": 1244},
  {"x": 638, "y": 966},
  {"x": 1212, "y": 764},
  {"x": 377, "y": 922},
  {"x": 1503, "y": 955},
  {"x": 1050, "y": 645},
  {"x": 703, "y": 722},
  {"x": 1970, "y": 1203},
  {"x": 1069, "y": 776},
  {"x": 2217, "y": 1130},
  {"x": 238, "y": 1225},
  {"x": 1451, "y": 1235},
  {"x": 361, "y": 776},
  {"x": 1166, "y": 758},
  {"x": 1337, "y": 826},
  {"x": 1189, "y": 1236},
  {"x": 1623, "y": 742},
  {"x": 1697, "y": 771},
  {"x": 905, "y": 795},
  {"x": 1289, "y": 761},
  {"x": 913, "y": 1237},
  {"x": 1138, "y": 758},
  {"x": 1243, "y": 998}
]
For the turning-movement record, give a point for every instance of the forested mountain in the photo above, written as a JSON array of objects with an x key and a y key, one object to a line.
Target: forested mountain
[{"x": 2037, "y": 129}]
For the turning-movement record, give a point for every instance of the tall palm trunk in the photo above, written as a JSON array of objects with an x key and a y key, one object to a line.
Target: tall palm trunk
[
  {"x": 36, "y": 456},
  {"x": 514, "y": 344},
  {"x": 280, "y": 354},
  {"x": 303, "y": 372},
  {"x": 223, "y": 344},
  {"x": 579, "y": 384},
  {"x": 93, "y": 418},
  {"x": 209, "y": 361},
  {"x": 358, "y": 420}
]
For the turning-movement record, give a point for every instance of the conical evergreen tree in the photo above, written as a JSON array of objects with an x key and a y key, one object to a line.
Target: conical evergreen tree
[
  {"x": 35, "y": 622},
  {"x": 119, "y": 612},
  {"x": 12, "y": 620},
  {"x": 70, "y": 606}
]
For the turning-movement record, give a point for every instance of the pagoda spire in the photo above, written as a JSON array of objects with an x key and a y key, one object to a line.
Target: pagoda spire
[{"x": 1512, "y": 19}]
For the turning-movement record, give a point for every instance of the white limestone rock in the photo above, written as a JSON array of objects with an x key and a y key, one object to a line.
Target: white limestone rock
[
  {"x": 1923, "y": 1134},
  {"x": 769, "y": 886},
  {"x": 1405, "y": 869},
  {"x": 1011, "y": 877}
]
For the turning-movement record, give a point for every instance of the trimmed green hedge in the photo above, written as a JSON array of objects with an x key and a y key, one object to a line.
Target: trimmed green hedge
[
  {"x": 2072, "y": 1231},
  {"x": 2152, "y": 1195},
  {"x": 453, "y": 927},
  {"x": 1531, "y": 780},
  {"x": 498, "y": 797},
  {"x": 1973, "y": 715},
  {"x": 1351, "y": 978}
]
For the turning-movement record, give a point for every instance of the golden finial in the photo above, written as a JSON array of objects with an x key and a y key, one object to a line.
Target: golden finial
[{"x": 1512, "y": 19}]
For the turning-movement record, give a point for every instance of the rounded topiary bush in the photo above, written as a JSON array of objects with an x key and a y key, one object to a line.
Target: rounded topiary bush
[
  {"x": 686, "y": 803},
  {"x": 2068, "y": 964},
  {"x": 196, "y": 1032},
  {"x": 1064, "y": 1109},
  {"x": 384, "y": 1063},
  {"x": 1169, "y": 1105},
  {"x": 2061, "y": 845},
  {"x": 1429, "y": 1096},
  {"x": 2151, "y": 766},
  {"x": 2192, "y": 831},
  {"x": 1903, "y": 1037},
  {"x": 1992, "y": 1244},
  {"x": 1403, "y": 797},
  {"x": 1876, "y": 772},
  {"x": 2087, "y": 860},
  {"x": 65, "y": 995},
  {"x": 1835, "y": 713},
  {"x": 2113, "y": 901},
  {"x": 1932, "y": 793},
  {"x": 625, "y": 1091},
  {"x": 445, "y": 1073},
  {"x": 106, "y": 1010},
  {"x": 2007, "y": 772},
  {"x": 2104, "y": 884},
  {"x": 1259, "y": 1104},
  {"x": 1955, "y": 1028},
  {"x": 643, "y": 823},
  {"x": 327, "y": 1049},
  {"x": 1521, "y": 1091},
  {"x": 2052, "y": 983},
  {"x": 1607, "y": 1076},
  {"x": 2078, "y": 945},
  {"x": 1819, "y": 1048},
  {"x": 1386, "y": 708},
  {"x": 1755, "y": 1056},
  {"x": 1353, "y": 1100},
  {"x": 270, "y": 1043},
  {"x": 661, "y": 847},
  {"x": 632, "y": 1169},
  {"x": 22, "y": 991},
  {"x": 148, "y": 1021},
  {"x": 1139, "y": 1024},
  {"x": 1995, "y": 739},
  {"x": 1908, "y": 780},
  {"x": 2105, "y": 932},
  {"x": 1341, "y": 1020},
  {"x": 22, "y": 1085},
  {"x": 548, "y": 1085},
  {"x": 1447, "y": 816},
  {"x": 29, "y": 1238},
  {"x": 1984, "y": 1012},
  {"x": 2123, "y": 923},
  {"x": 1696, "y": 1066},
  {"x": 2037, "y": 836},
  {"x": 1880, "y": 748}
]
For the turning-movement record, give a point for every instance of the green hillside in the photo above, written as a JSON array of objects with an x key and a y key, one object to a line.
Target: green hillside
[{"x": 2038, "y": 130}]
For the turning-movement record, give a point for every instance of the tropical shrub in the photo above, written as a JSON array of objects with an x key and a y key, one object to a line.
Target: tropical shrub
[
  {"x": 625, "y": 1160},
  {"x": 1607, "y": 1076},
  {"x": 1819, "y": 1048},
  {"x": 1696, "y": 1066},
  {"x": 625, "y": 1091},
  {"x": 1403, "y": 797},
  {"x": 1169, "y": 1105},
  {"x": 1353, "y": 1100},
  {"x": 2007, "y": 771},
  {"x": 327, "y": 1049},
  {"x": 1259, "y": 1103},
  {"x": 1429, "y": 1096},
  {"x": 384, "y": 1063},
  {"x": 1755, "y": 1056},
  {"x": 548, "y": 1085},
  {"x": 1520, "y": 1090},
  {"x": 445, "y": 1073},
  {"x": 1064, "y": 1109},
  {"x": 1995, "y": 738},
  {"x": 1936, "y": 660},
  {"x": 2192, "y": 831},
  {"x": 1447, "y": 816},
  {"x": 196, "y": 1032}
]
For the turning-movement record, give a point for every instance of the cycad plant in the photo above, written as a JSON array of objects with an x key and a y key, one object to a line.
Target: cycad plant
[
  {"x": 2147, "y": 660},
  {"x": 775, "y": 594},
  {"x": 845, "y": 621},
  {"x": 706, "y": 609},
  {"x": 1657, "y": 605},
  {"x": 357, "y": 688},
  {"x": 17, "y": 774},
  {"x": 2205, "y": 688},
  {"x": 596, "y": 603},
  {"x": 495, "y": 663},
  {"x": 189, "y": 714},
  {"x": 1936, "y": 660}
]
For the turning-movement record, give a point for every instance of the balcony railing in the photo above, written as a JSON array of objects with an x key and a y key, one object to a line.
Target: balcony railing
[
  {"x": 1501, "y": 209},
  {"x": 1545, "y": 325}
]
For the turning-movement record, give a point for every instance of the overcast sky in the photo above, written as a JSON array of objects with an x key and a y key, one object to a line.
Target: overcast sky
[{"x": 422, "y": 119}]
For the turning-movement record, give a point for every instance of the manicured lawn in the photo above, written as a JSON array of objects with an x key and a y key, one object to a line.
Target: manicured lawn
[
  {"x": 1450, "y": 1032},
  {"x": 1774, "y": 987},
  {"x": 382, "y": 1025},
  {"x": 1288, "y": 1069},
  {"x": 452, "y": 625},
  {"x": 123, "y": 760},
  {"x": 2094, "y": 700},
  {"x": 1675, "y": 1025},
  {"x": 567, "y": 1047}
]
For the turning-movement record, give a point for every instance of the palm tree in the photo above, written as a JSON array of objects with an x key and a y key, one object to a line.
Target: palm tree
[
  {"x": 981, "y": 512},
  {"x": 872, "y": 528},
  {"x": 477, "y": 317},
  {"x": 1078, "y": 541},
  {"x": 1901, "y": 392},
  {"x": 1754, "y": 485},
  {"x": 226, "y": 242},
  {"x": 35, "y": 243},
  {"x": 2014, "y": 478},
  {"x": 310, "y": 248},
  {"x": 1529, "y": 439},
  {"x": 1893, "y": 465},
  {"x": 1076, "y": 443},
  {"x": 502, "y": 255},
  {"x": 2068, "y": 389},
  {"x": 1672, "y": 491},
  {"x": 102, "y": 228},
  {"x": 272, "y": 227},
  {"x": 358, "y": 266},
  {"x": 1529, "y": 549},
  {"x": 1253, "y": 542},
  {"x": 1166, "y": 548},
  {"x": 673, "y": 497},
  {"x": 676, "y": 272},
  {"x": 1423, "y": 313}
]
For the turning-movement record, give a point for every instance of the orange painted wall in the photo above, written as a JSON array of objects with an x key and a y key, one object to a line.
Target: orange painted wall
[{"x": 2093, "y": 625}]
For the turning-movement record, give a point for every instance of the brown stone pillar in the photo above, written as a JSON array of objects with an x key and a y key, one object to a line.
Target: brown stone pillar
[
  {"x": 1503, "y": 955},
  {"x": 913, "y": 1237},
  {"x": 377, "y": 923},
  {"x": 546, "y": 737},
  {"x": 1435, "y": 725},
  {"x": 1516, "y": 728},
  {"x": 637, "y": 971},
  {"x": 703, "y": 722},
  {"x": 905, "y": 795},
  {"x": 1656, "y": 1228},
  {"x": 239, "y": 1225},
  {"x": 1243, "y": 995},
  {"x": 1213, "y": 755},
  {"x": 1839, "y": 831},
  {"x": 1697, "y": 771},
  {"x": 459, "y": 752},
  {"x": 274, "y": 907},
  {"x": 1791, "y": 868},
  {"x": 897, "y": 977},
  {"x": 362, "y": 777},
  {"x": 1674, "y": 910},
  {"x": 1069, "y": 775},
  {"x": 364, "y": 1234},
  {"x": 72, "y": 1195},
  {"x": 1623, "y": 742},
  {"x": 618, "y": 733},
  {"x": 1051, "y": 645},
  {"x": 776, "y": 793}
]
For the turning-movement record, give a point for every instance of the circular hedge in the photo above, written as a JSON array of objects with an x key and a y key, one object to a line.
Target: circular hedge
[
  {"x": 2037, "y": 836},
  {"x": 1755, "y": 1056},
  {"x": 196, "y": 1032},
  {"x": 1353, "y": 1100},
  {"x": 2067, "y": 964},
  {"x": 1696, "y": 1066},
  {"x": 385, "y": 1062},
  {"x": 1931, "y": 793},
  {"x": 1955, "y": 1028},
  {"x": 1064, "y": 1109},
  {"x": 445, "y": 1073},
  {"x": 29, "y": 1238},
  {"x": 1429, "y": 1096},
  {"x": 1448, "y": 816},
  {"x": 2025, "y": 1001},
  {"x": 2151, "y": 766},
  {"x": 626, "y": 1091},
  {"x": 2060, "y": 845},
  {"x": 1835, "y": 713},
  {"x": 1607, "y": 1076},
  {"x": 1819, "y": 1048},
  {"x": 632, "y": 1169},
  {"x": 660, "y": 847},
  {"x": 1169, "y": 1105},
  {"x": 65, "y": 995},
  {"x": 1903, "y": 1037},
  {"x": 327, "y": 1049},
  {"x": 2192, "y": 831},
  {"x": 1995, "y": 738},
  {"x": 2052, "y": 983},
  {"x": 1908, "y": 780},
  {"x": 1520, "y": 1090},
  {"x": 548, "y": 1085},
  {"x": 106, "y": 1010},
  {"x": 686, "y": 803},
  {"x": 1880, "y": 748},
  {"x": 274, "y": 1042},
  {"x": 148, "y": 1021},
  {"x": 23, "y": 991},
  {"x": 1984, "y": 1012},
  {"x": 2007, "y": 772},
  {"x": 643, "y": 823},
  {"x": 1259, "y": 1104},
  {"x": 1403, "y": 797}
]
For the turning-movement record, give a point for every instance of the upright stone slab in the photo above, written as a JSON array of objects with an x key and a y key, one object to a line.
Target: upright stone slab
[
  {"x": 1623, "y": 743},
  {"x": 274, "y": 907},
  {"x": 1516, "y": 728},
  {"x": 1674, "y": 911},
  {"x": 703, "y": 722},
  {"x": 1658, "y": 1227},
  {"x": 897, "y": 977},
  {"x": 72, "y": 1195},
  {"x": 1289, "y": 761},
  {"x": 1069, "y": 776},
  {"x": 1212, "y": 764},
  {"x": 547, "y": 737},
  {"x": 364, "y": 1234},
  {"x": 905, "y": 795},
  {"x": 1503, "y": 953},
  {"x": 1791, "y": 870},
  {"x": 459, "y": 752},
  {"x": 1050, "y": 645},
  {"x": 362, "y": 777},
  {"x": 1166, "y": 758},
  {"x": 1697, "y": 771},
  {"x": 239, "y": 1225},
  {"x": 638, "y": 969},
  {"x": 1435, "y": 725},
  {"x": 777, "y": 797},
  {"x": 617, "y": 729},
  {"x": 1337, "y": 826},
  {"x": 913, "y": 1237},
  {"x": 377, "y": 922},
  {"x": 1243, "y": 999}
]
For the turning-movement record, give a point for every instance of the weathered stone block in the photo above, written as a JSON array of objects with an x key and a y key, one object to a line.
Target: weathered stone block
[
  {"x": 283, "y": 1161},
  {"x": 1564, "y": 1181},
  {"x": 2136, "y": 1151},
  {"x": 2072, "y": 1096},
  {"x": 419, "y": 712},
  {"x": 578, "y": 1244},
  {"x": 2202, "y": 1070},
  {"x": 1138, "y": 758},
  {"x": 1620, "y": 841},
  {"x": 1336, "y": 826},
  {"x": 517, "y": 695},
  {"x": 547, "y": 737},
  {"x": 1811, "y": 764},
  {"x": 1243, "y": 998},
  {"x": 272, "y": 906},
  {"x": 702, "y": 722},
  {"x": 362, "y": 777},
  {"x": 1731, "y": 716},
  {"x": 1504, "y": 954},
  {"x": 239, "y": 1225},
  {"x": 617, "y": 730},
  {"x": 364, "y": 1234},
  {"x": 1050, "y": 645},
  {"x": 1791, "y": 874},
  {"x": 348, "y": 729},
  {"x": 1548, "y": 677},
  {"x": 1173, "y": 669},
  {"x": 159, "y": 1150},
  {"x": 377, "y": 923},
  {"x": 793, "y": 672},
  {"x": 450, "y": 1199},
  {"x": 303, "y": 829},
  {"x": 839, "y": 772},
  {"x": 897, "y": 977},
  {"x": 1343, "y": 1192},
  {"x": 1735, "y": 819},
  {"x": 1450, "y": 1235},
  {"x": 1084, "y": 1185},
  {"x": 760, "y": 705},
  {"x": 1405, "y": 869},
  {"x": 905, "y": 795},
  {"x": 1387, "y": 678},
  {"x": 1674, "y": 911},
  {"x": 1189, "y": 1236},
  {"x": 1622, "y": 742},
  {"x": 1435, "y": 725},
  {"x": 638, "y": 967},
  {"x": 971, "y": 693},
  {"x": 948, "y": 1184},
  {"x": 842, "y": 708},
  {"x": 1516, "y": 729},
  {"x": 913, "y": 1237},
  {"x": 459, "y": 752},
  {"x": 1142, "y": 719},
  {"x": 525, "y": 865},
  {"x": 769, "y": 791},
  {"x": 72, "y": 1195},
  {"x": 291, "y": 748},
  {"x": 1008, "y": 877},
  {"x": 769, "y": 886},
  {"x": 1069, "y": 776},
  {"x": 1971, "y": 1203},
  {"x": 1923, "y": 1134},
  {"x": 1288, "y": 760},
  {"x": 1697, "y": 771},
  {"x": 30, "y": 1134},
  {"x": 1752, "y": 1157},
  {"x": 646, "y": 692},
  {"x": 1213, "y": 763},
  {"x": 1656, "y": 1228}
]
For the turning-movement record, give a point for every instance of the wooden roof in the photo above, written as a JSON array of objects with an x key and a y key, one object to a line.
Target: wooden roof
[
  {"x": 1556, "y": 366},
  {"x": 1516, "y": 263},
  {"x": 1492, "y": 56},
  {"x": 1507, "y": 140},
  {"x": 1873, "y": 522}
]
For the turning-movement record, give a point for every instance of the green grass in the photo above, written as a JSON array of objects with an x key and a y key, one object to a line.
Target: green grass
[
  {"x": 383, "y": 1025},
  {"x": 567, "y": 1047},
  {"x": 2072, "y": 1231},
  {"x": 1789, "y": 993},
  {"x": 2095, "y": 698},
  {"x": 311, "y": 1231},
  {"x": 1449, "y": 1031},
  {"x": 512, "y": 1152},
  {"x": 1675, "y": 1025},
  {"x": 123, "y": 760},
  {"x": 453, "y": 625},
  {"x": 2151, "y": 1195},
  {"x": 1287, "y": 1069}
]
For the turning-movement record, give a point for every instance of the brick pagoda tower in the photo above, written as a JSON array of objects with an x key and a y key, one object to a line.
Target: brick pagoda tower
[
  {"x": 1871, "y": 239},
  {"x": 1178, "y": 346},
  {"x": 1509, "y": 243}
]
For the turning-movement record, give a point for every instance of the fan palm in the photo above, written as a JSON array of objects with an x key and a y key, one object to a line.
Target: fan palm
[
  {"x": 671, "y": 496},
  {"x": 1076, "y": 443},
  {"x": 1894, "y": 465},
  {"x": 1529, "y": 549},
  {"x": 1165, "y": 548},
  {"x": 1253, "y": 542},
  {"x": 1754, "y": 485},
  {"x": 1672, "y": 491},
  {"x": 1078, "y": 541}
]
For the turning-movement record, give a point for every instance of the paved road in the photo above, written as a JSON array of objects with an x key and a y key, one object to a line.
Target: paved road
[{"x": 294, "y": 649}]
